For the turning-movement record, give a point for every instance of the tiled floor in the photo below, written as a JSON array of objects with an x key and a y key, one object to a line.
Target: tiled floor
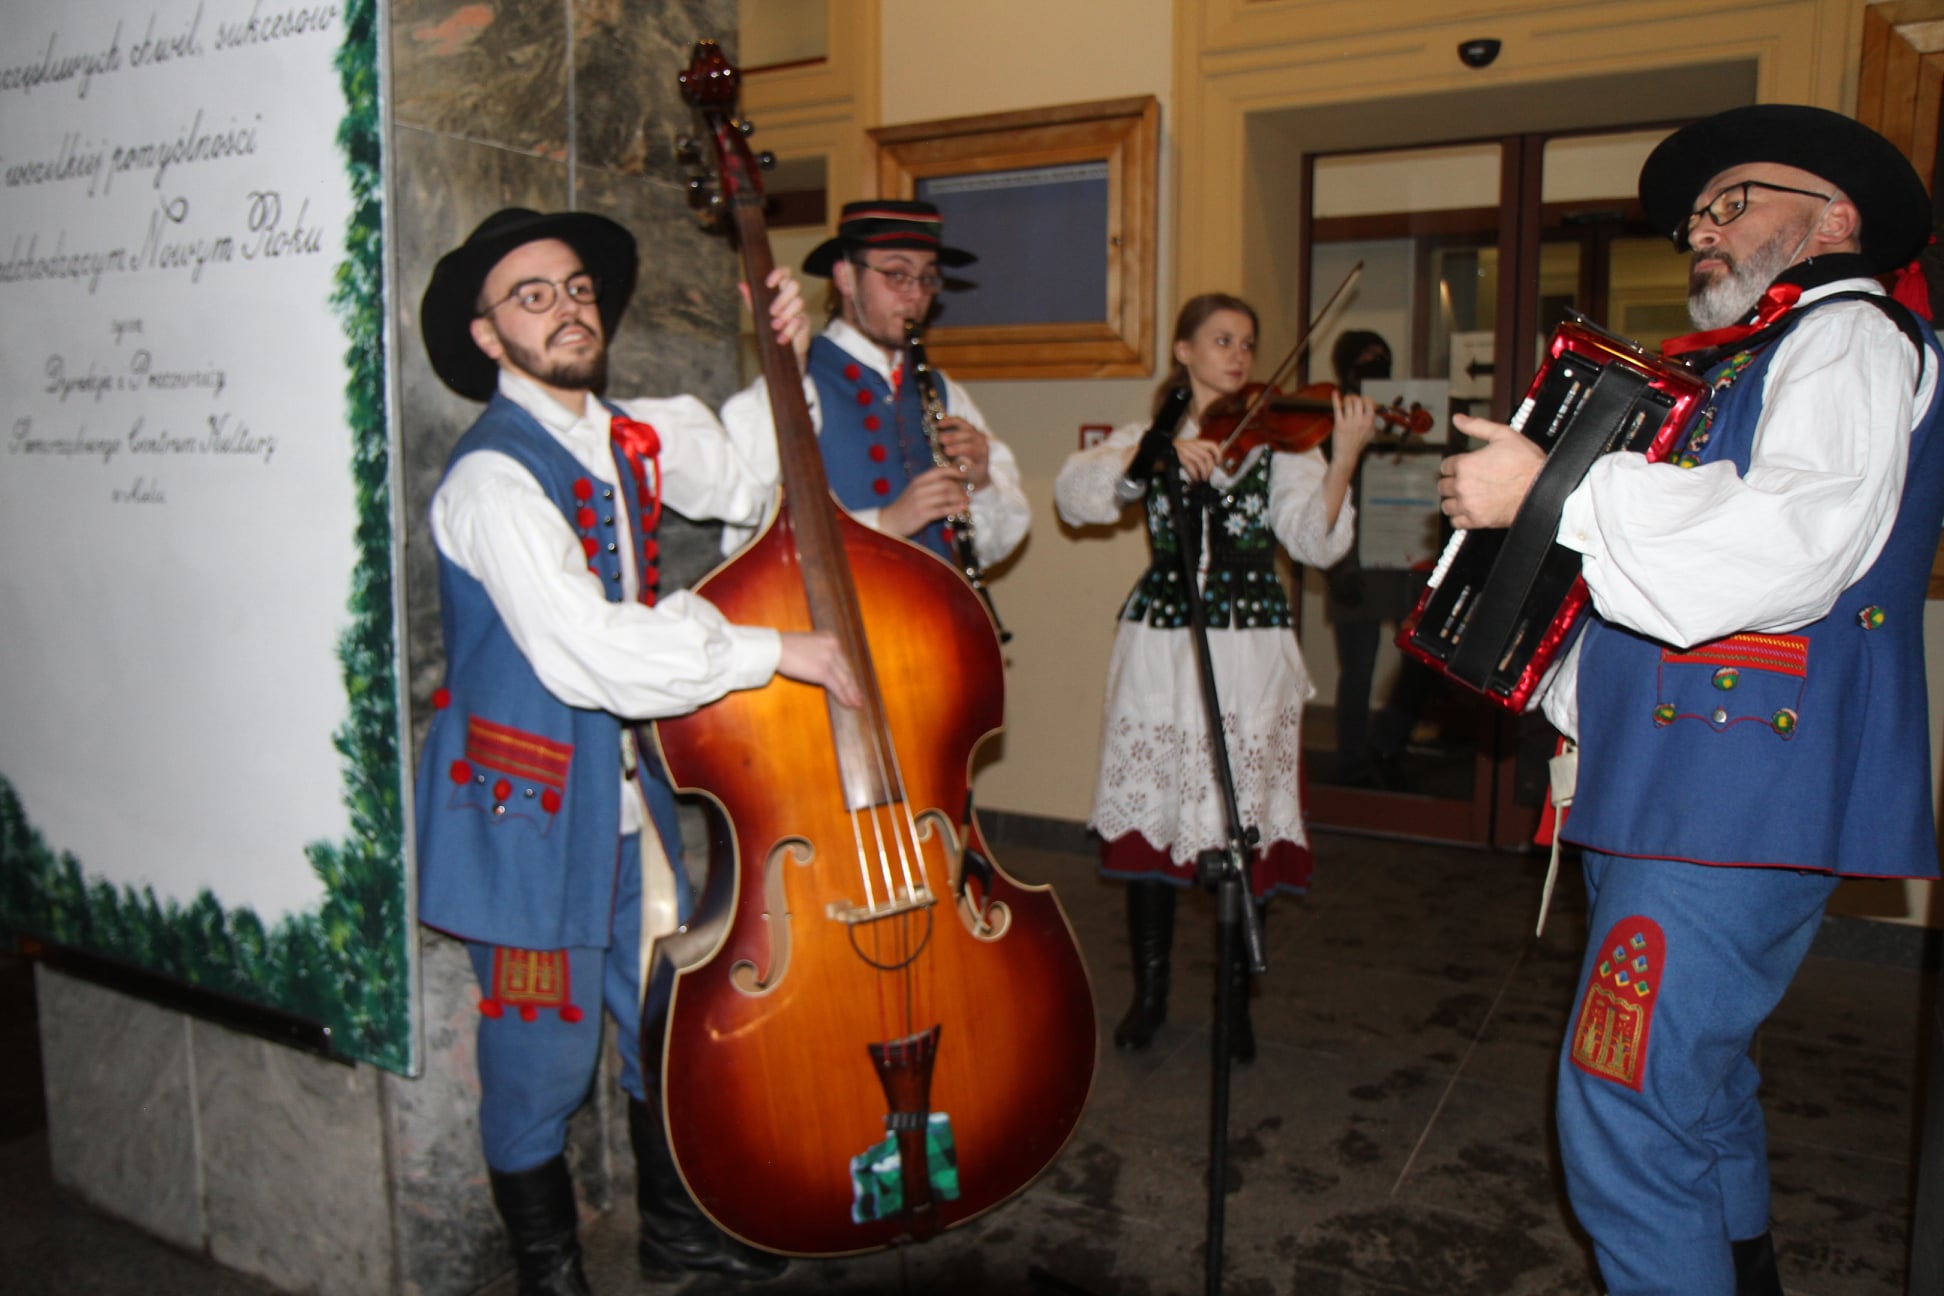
[{"x": 1392, "y": 1138}]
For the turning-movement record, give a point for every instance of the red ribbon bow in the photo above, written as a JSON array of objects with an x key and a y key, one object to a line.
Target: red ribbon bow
[
  {"x": 640, "y": 445},
  {"x": 1774, "y": 305}
]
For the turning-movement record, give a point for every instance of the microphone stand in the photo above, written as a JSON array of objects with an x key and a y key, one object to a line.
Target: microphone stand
[{"x": 1225, "y": 868}]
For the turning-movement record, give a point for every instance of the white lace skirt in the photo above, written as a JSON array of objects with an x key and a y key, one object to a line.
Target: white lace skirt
[{"x": 1157, "y": 774}]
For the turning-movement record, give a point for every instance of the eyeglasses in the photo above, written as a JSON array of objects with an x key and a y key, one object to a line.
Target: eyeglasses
[
  {"x": 537, "y": 296},
  {"x": 900, "y": 280},
  {"x": 1731, "y": 204}
]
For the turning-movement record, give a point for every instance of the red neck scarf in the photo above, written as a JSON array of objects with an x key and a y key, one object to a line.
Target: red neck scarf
[{"x": 1775, "y": 303}]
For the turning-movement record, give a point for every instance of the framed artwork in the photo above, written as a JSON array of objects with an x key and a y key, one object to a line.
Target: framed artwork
[{"x": 1058, "y": 204}]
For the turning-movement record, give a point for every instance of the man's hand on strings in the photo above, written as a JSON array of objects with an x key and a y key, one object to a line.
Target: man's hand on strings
[{"x": 814, "y": 657}]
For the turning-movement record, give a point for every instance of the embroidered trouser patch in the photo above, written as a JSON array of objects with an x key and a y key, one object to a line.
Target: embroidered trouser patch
[
  {"x": 1617, "y": 1007},
  {"x": 528, "y": 981}
]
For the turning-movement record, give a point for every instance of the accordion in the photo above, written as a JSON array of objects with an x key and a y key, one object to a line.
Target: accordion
[{"x": 1500, "y": 604}]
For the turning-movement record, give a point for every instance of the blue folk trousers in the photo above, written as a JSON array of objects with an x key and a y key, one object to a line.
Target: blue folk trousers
[
  {"x": 1665, "y": 1150},
  {"x": 533, "y": 1075}
]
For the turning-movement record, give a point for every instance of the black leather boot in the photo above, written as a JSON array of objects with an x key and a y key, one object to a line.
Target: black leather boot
[
  {"x": 1242, "y": 1040},
  {"x": 1755, "y": 1270},
  {"x": 676, "y": 1237},
  {"x": 1150, "y": 935},
  {"x": 544, "y": 1227}
]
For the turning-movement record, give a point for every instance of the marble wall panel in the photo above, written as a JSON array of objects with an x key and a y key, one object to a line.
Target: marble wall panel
[
  {"x": 449, "y": 1238},
  {"x": 293, "y": 1156},
  {"x": 494, "y": 72},
  {"x": 121, "y": 1121},
  {"x": 443, "y": 187},
  {"x": 629, "y": 71}
]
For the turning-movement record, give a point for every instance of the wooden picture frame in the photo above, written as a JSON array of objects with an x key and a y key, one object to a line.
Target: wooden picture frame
[{"x": 1063, "y": 200}]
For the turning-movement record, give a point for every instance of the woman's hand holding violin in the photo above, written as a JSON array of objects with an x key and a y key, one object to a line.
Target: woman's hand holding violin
[{"x": 1354, "y": 427}]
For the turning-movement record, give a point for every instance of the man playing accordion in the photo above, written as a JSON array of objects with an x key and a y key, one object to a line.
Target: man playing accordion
[{"x": 1749, "y": 697}]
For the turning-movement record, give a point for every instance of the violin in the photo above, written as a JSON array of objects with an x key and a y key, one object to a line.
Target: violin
[{"x": 1292, "y": 422}]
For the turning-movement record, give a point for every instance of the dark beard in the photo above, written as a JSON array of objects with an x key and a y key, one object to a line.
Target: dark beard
[{"x": 586, "y": 374}]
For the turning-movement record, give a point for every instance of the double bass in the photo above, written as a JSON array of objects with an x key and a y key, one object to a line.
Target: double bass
[{"x": 875, "y": 1033}]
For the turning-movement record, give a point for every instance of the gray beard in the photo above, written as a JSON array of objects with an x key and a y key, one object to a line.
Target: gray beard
[{"x": 1723, "y": 299}]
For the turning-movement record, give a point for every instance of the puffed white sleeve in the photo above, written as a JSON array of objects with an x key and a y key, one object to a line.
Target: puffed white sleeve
[
  {"x": 1084, "y": 490},
  {"x": 751, "y": 428},
  {"x": 1690, "y": 555},
  {"x": 1001, "y": 512},
  {"x": 492, "y": 519},
  {"x": 1297, "y": 513}
]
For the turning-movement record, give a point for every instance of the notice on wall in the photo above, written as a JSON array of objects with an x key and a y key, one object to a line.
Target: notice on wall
[{"x": 198, "y": 684}]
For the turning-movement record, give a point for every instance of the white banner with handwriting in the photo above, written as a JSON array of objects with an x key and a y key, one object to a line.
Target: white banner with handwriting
[{"x": 176, "y": 509}]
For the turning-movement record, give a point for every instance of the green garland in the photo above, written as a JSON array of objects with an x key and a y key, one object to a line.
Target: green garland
[{"x": 348, "y": 964}]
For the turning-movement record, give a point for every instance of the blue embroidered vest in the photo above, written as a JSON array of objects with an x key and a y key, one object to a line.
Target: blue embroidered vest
[
  {"x": 518, "y": 796},
  {"x": 873, "y": 439},
  {"x": 1240, "y": 590},
  {"x": 1804, "y": 750}
]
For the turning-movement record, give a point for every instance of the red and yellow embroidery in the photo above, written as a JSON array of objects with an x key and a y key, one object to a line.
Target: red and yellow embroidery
[
  {"x": 1617, "y": 1007},
  {"x": 528, "y": 981},
  {"x": 1782, "y": 654}
]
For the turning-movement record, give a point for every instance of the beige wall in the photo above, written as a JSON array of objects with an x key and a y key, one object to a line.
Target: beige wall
[
  {"x": 945, "y": 58},
  {"x": 1247, "y": 83}
]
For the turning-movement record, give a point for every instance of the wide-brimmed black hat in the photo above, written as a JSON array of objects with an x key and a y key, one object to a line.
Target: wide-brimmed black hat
[
  {"x": 1895, "y": 208},
  {"x": 885, "y": 223},
  {"x": 452, "y": 297}
]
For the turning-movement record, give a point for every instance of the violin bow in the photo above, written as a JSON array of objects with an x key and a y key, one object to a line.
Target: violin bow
[{"x": 1288, "y": 362}]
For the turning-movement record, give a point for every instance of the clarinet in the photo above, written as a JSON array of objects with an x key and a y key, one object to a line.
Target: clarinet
[{"x": 959, "y": 536}]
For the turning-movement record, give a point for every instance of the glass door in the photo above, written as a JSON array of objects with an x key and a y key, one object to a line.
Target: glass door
[{"x": 1471, "y": 255}]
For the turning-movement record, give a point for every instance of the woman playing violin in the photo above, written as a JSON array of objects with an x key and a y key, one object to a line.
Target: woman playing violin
[{"x": 1155, "y": 803}]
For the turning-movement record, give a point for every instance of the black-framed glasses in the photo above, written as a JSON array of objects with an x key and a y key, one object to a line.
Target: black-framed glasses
[
  {"x": 1731, "y": 204},
  {"x": 537, "y": 296},
  {"x": 900, "y": 280}
]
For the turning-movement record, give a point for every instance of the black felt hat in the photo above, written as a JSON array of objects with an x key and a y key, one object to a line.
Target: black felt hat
[
  {"x": 1895, "y": 208},
  {"x": 451, "y": 302},
  {"x": 885, "y": 223}
]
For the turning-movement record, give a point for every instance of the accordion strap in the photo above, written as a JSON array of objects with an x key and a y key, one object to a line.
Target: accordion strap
[{"x": 1503, "y": 596}]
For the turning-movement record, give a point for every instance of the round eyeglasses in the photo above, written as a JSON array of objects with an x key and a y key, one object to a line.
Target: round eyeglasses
[
  {"x": 537, "y": 296},
  {"x": 1730, "y": 205},
  {"x": 902, "y": 280}
]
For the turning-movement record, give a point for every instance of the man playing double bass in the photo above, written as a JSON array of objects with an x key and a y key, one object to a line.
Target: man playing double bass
[
  {"x": 883, "y": 265},
  {"x": 532, "y": 800},
  {"x": 1749, "y": 700}
]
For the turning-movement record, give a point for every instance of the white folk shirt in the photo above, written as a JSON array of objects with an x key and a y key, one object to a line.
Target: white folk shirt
[
  {"x": 492, "y": 518},
  {"x": 1000, "y": 510},
  {"x": 1686, "y": 556}
]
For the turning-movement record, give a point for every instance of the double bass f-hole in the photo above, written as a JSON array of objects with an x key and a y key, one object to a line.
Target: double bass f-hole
[{"x": 958, "y": 527}]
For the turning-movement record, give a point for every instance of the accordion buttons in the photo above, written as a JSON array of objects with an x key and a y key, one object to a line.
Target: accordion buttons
[
  {"x": 1870, "y": 618},
  {"x": 1726, "y": 678}
]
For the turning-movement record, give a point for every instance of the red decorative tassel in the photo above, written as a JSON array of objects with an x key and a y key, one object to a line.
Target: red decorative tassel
[{"x": 1907, "y": 286}]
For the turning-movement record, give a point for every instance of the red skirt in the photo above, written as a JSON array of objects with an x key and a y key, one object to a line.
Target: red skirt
[{"x": 1282, "y": 866}]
